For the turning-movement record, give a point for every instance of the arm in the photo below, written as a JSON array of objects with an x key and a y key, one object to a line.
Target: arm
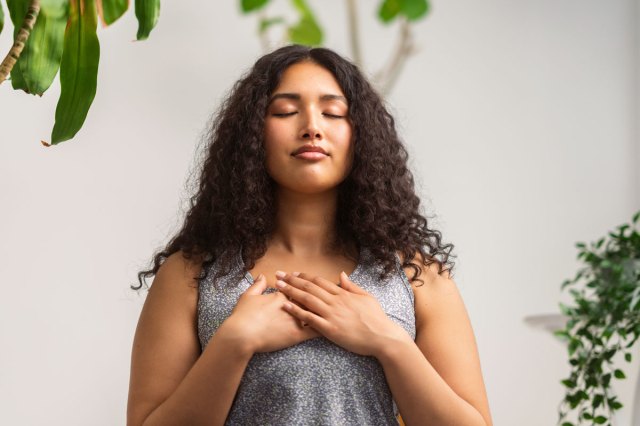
[
  {"x": 437, "y": 377},
  {"x": 171, "y": 381}
]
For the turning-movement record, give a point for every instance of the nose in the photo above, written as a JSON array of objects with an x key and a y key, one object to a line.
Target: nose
[{"x": 310, "y": 129}]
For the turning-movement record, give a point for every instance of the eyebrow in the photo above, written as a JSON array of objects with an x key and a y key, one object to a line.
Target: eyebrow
[{"x": 296, "y": 97}]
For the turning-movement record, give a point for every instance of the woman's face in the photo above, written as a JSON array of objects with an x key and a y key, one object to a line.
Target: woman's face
[{"x": 308, "y": 111}]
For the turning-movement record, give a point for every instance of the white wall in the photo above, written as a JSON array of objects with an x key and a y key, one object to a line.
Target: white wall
[{"x": 521, "y": 117}]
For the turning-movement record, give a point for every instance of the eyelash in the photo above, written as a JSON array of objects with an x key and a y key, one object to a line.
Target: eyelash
[{"x": 291, "y": 113}]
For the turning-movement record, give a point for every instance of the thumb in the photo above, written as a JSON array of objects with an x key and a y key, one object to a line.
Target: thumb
[
  {"x": 258, "y": 286},
  {"x": 349, "y": 285}
]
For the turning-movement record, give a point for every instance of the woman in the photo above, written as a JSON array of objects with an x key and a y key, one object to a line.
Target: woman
[{"x": 305, "y": 187}]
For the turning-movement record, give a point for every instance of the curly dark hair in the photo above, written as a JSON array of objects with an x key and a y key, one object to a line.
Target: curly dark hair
[{"x": 231, "y": 209}]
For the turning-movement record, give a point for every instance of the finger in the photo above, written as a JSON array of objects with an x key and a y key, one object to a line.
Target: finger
[
  {"x": 313, "y": 320},
  {"x": 328, "y": 286},
  {"x": 309, "y": 332},
  {"x": 349, "y": 285},
  {"x": 258, "y": 286},
  {"x": 307, "y": 285},
  {"x": 304, "y": 295}
]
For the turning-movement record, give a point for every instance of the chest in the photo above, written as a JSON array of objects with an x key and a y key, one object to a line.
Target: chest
[{"x": 327, "y": 267}]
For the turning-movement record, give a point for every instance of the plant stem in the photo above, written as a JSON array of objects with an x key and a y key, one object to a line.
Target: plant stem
[
  {"x": 21, "y": 39},
  {"x": 264, "y": 37},
  {"x": 388, "y": 75},
  {"x": 354, "y": 32}
]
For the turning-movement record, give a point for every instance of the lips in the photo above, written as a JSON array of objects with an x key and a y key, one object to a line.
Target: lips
[{"x": 309, "y": 148}]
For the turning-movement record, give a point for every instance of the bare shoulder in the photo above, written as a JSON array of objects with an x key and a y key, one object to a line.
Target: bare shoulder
[
  {"x": 165, "y": 343},
  {"x": 445, "y": 336},
  {"x": 432, "y": 289},
  {"x": 178, "y": 269}
]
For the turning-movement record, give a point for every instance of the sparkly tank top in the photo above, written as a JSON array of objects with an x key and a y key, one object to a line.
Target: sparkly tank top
[{"x": 315, "y": 382}]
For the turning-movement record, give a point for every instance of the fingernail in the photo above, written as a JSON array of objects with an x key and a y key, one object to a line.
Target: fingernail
[
  {"x": 280, "y": 274},
  {"x": 259, "y": 277},
  {"x": 280, "y": 284},
  {"x": 295, "y": 274}
]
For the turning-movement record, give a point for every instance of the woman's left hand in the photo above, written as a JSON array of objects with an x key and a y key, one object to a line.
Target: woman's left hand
[{"x": 347, "y": 315}]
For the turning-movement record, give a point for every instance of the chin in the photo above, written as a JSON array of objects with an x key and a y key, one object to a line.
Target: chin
[{"x": 309, "y": 187}]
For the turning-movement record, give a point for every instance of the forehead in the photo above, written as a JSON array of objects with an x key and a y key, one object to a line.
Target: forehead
[{"x": 308, "y": 77}]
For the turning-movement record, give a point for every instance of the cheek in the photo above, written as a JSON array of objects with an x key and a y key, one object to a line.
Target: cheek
[
  {"x": 273, "y": 137},
  {"x": 343, "y": 142}
]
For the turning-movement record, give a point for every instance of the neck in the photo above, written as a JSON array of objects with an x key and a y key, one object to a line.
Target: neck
[{"x": 306, "y": 223}]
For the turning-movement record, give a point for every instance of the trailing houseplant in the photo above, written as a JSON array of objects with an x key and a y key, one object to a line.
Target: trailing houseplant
[{"x": 604, "y": 321}]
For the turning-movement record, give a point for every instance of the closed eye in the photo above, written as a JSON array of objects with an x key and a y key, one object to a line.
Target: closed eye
[{"x": 287, "y": 114}]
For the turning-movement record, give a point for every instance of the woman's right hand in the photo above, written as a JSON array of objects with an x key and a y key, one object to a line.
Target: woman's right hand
[{"x": 260, "y": 323}]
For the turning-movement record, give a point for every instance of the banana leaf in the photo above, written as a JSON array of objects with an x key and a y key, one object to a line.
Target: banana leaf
[{"x": 78, "y": 70}]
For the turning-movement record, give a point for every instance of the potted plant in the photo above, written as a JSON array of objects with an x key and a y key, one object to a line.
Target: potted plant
[{"x": 604, "y": 321}]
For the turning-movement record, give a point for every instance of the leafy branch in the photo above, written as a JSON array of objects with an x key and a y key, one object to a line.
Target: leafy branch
[
  {"x": 308, "y": 31},
  {"x": 52, "y": 36}
]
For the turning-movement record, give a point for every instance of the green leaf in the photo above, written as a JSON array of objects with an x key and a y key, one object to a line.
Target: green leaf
[
  {"x": 306, "y": 32},
  {"x": 569, "y": 383},
  {"x": 302, "y": 7},
  {"x": 111, "y": 10},
  {"x": 573, "y": 345},
  {"x": 566, "y": 310},
  {"x": 1, "y": 18},
  {"x": 147, "y": 12},
  {"x": 607, "y": 355},
  {"x": 266, "y": 23},
  {"x": 619, "y": 374},
  {"x": 616, "y": 405},
  {"x": 622, "y": 228},
  {"x": 561, "y": 334},
  {"x": 40, "y": 59},
  {"x": 388, "y": 10},
  {"x": 600, "y": 420},
  {"x": 251, "y": 5},
  {"x": 597, "y": 400},
  {"x": 414, "y": 9},
  {"x": 78, "y": 71},
  {"x": 627, "y": 357},
  {"x": 636, "y": 217}
]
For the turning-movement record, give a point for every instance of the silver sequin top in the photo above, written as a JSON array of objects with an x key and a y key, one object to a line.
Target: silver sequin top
[{"x": 315, "y": 382}]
